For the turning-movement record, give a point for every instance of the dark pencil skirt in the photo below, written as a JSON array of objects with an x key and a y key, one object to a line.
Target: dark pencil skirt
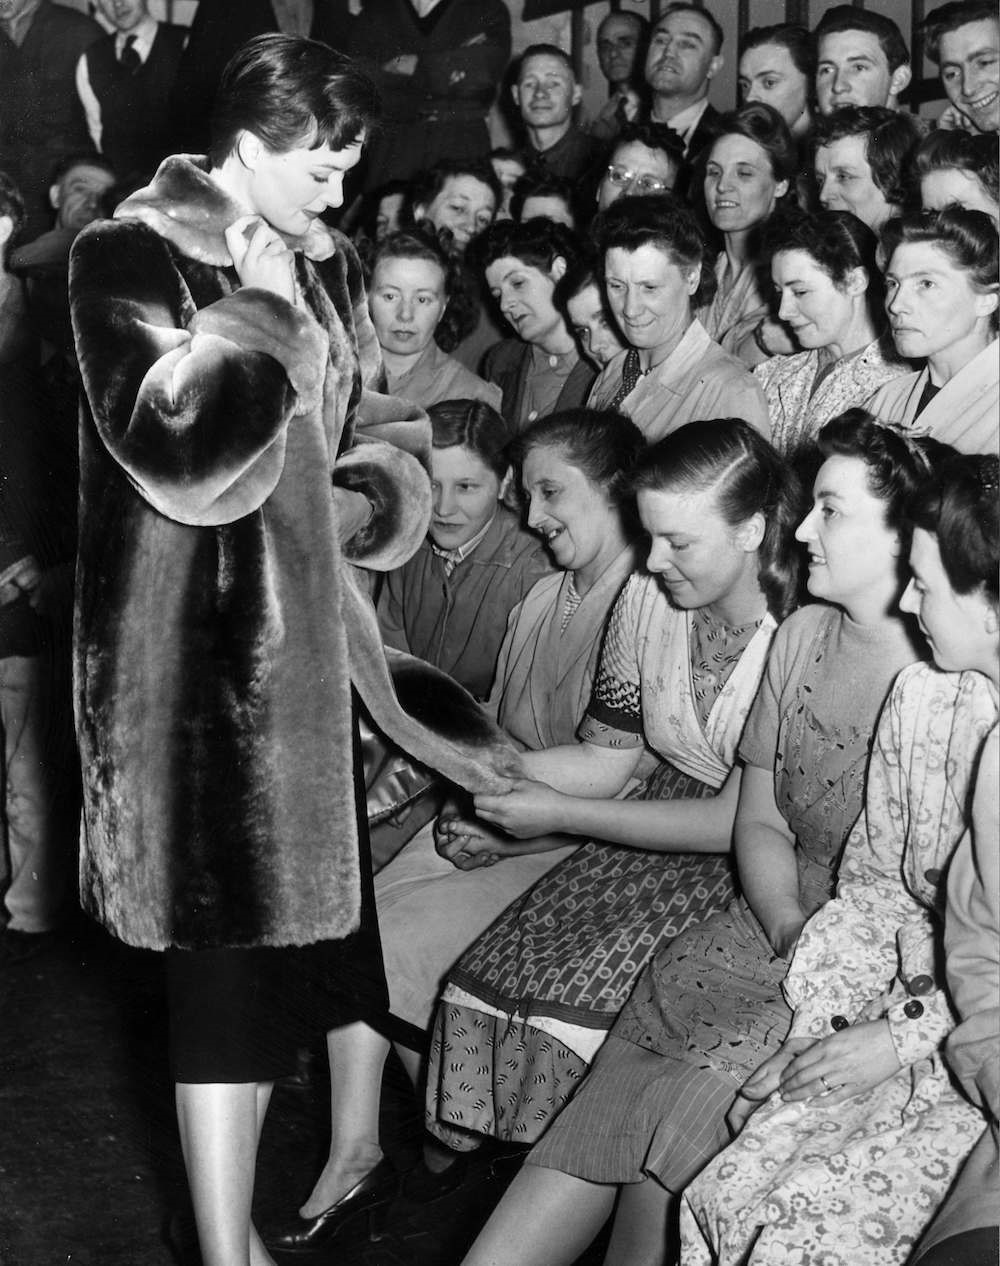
[{"x": 240, "y": 1015}]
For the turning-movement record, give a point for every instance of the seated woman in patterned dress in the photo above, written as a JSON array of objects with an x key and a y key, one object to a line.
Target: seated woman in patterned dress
[
  {"x": 431, "y": 905},
  {"x": 708, "y": 1009},
  {"x": 863, "y": 1131},
  {"x": 831, "y": 297},
  {"x": 528, "y": 1005}
]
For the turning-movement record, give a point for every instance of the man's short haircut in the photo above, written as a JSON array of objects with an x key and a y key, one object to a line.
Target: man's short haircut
[
  {"x": 680, "y": 7},
  {"x": 949, "y": 17},
  {"x": 546, "y": 50},
  {"x": 795, "y": 39},
  {"x": 11, "y": 205},
  {"x": 845, "y": 17},
  {"x": 80, "y": 158},
  {"x": 639, "y": 19},
  {"x": 891, "y": 137},
  {"x": 541, "y": 184}
]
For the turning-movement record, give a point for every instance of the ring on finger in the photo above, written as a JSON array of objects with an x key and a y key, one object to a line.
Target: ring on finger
[{"x": 826, "y": 1085}]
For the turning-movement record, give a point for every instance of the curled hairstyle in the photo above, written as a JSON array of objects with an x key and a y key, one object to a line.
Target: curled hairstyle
[
  {"x": 536, "y": 184},
  {"x": 426, "y": 185},
  {"x": 949, "y": 17},
  {"x": 896, "y": 464},
  {"x": 659, "y": 220},
  {"x": 538, "y": 242},
  {"x": 746, "y": 476},
  {"x": 474, "y": 425},
  {"x": 11, "y": 205},
  {"x": 655, "y": 136},
  {"x": 795, "y": 39},
  {"x": 460, "y": 315},
  {"x": 961, "y": 507},
  {"x": 967, "y": 238},
  {"x": 837, "y": 241},
  {"x": 291, "y": 92},
  {"x": 763, "y": 125},
  {"x": 602, "y": 443},
  {"x": 956, "y": 150},
  {"x": 846, "y": 17},
  {"x": 891, "y": 136}
]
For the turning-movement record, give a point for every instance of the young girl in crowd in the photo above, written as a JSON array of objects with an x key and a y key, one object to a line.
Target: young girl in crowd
[
  {"x": 540, "y": 372},
  {"x": 430, "y": 906},
  {"x": 941, "y": 297},
  {"x": 653, "y": 260},
  {"x": 830, "y": 296},
  {"x": 421, "y": 308},
  {"x": 708, "y": 1009},
  {"x": 777, "y": 66},
  {"x": 865, "y": 1131},
  {"x": 449, "y": 604},
  {"x": 682, "y": 660},
  {"x": 748, "y": 172},
  {"x": 580, "y": 298}
]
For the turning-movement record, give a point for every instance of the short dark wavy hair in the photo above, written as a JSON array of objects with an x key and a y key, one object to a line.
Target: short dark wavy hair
[
  {"x": 790, "y": 36},
  {"x": 660, "y": 220},
  {"x": 847, "y": 17},
  {"x": 891, "y": 137},
  {"x": 763, "y": 125},
  {"x": 541, "y": 184},
  {"x": 961, "y": 507},
  {"x": 897, "y": 465},
  {"x": 837, "y": 241},
  {"x": 461, "y": 314},
  {"x": 292, "y": 92},
  {"x": 538, "y": 242},
  {"x": 949, "y": 17},
  {"x": 748, "y": 477}
]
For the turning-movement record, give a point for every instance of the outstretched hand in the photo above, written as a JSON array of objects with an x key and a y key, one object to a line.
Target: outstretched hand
[{"x": 527, "y": 810}]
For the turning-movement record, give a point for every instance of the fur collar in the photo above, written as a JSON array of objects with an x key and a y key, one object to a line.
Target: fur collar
[{"x": 184, "y": 204}]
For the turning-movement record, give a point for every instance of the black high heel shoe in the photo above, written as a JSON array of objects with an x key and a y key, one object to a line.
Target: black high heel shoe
[{"x": 379, "y": 1186}]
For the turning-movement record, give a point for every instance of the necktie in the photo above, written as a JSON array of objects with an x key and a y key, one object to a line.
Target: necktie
[
  {"x": 630, "y": 376},
  {"x": 129, "y": 58}
]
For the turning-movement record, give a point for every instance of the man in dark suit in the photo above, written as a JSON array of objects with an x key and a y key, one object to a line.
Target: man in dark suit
[
  {"x": 124, "y": 82},
  {"x": 41, "y": 120},
  {"x": 685, "y": 52}
]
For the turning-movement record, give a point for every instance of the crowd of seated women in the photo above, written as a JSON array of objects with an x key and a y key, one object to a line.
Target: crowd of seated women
[{"x": 715, "y": 539}]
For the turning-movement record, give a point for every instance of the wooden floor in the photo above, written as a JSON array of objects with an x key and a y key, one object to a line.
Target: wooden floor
[{"x": 90, "y": 1165}]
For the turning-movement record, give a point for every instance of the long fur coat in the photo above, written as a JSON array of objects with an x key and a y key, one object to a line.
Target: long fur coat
[{"x": 220, "y": 629}]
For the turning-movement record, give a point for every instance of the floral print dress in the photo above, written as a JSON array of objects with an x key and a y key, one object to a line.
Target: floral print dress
[{"x": 854, "y": 1184}]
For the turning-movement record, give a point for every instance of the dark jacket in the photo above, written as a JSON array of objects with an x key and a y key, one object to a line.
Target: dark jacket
[
  {"x": 41, "y": 118},
  {"x": 507, "y": 364},
  {"x": 457, "y": 622},
  {"x": 135, "y": 119}
]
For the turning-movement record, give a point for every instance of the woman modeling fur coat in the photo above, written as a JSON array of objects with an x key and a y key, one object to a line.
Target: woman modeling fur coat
[{"x": 220, "y": 626}]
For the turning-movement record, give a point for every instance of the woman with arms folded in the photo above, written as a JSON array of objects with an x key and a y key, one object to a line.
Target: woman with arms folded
[
  {"x": 830, "y": 296},
  {"x": 863, "y": 1131},
  {"x": 941, "y": 296},
  {"x": 708, "y": 1009}
]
